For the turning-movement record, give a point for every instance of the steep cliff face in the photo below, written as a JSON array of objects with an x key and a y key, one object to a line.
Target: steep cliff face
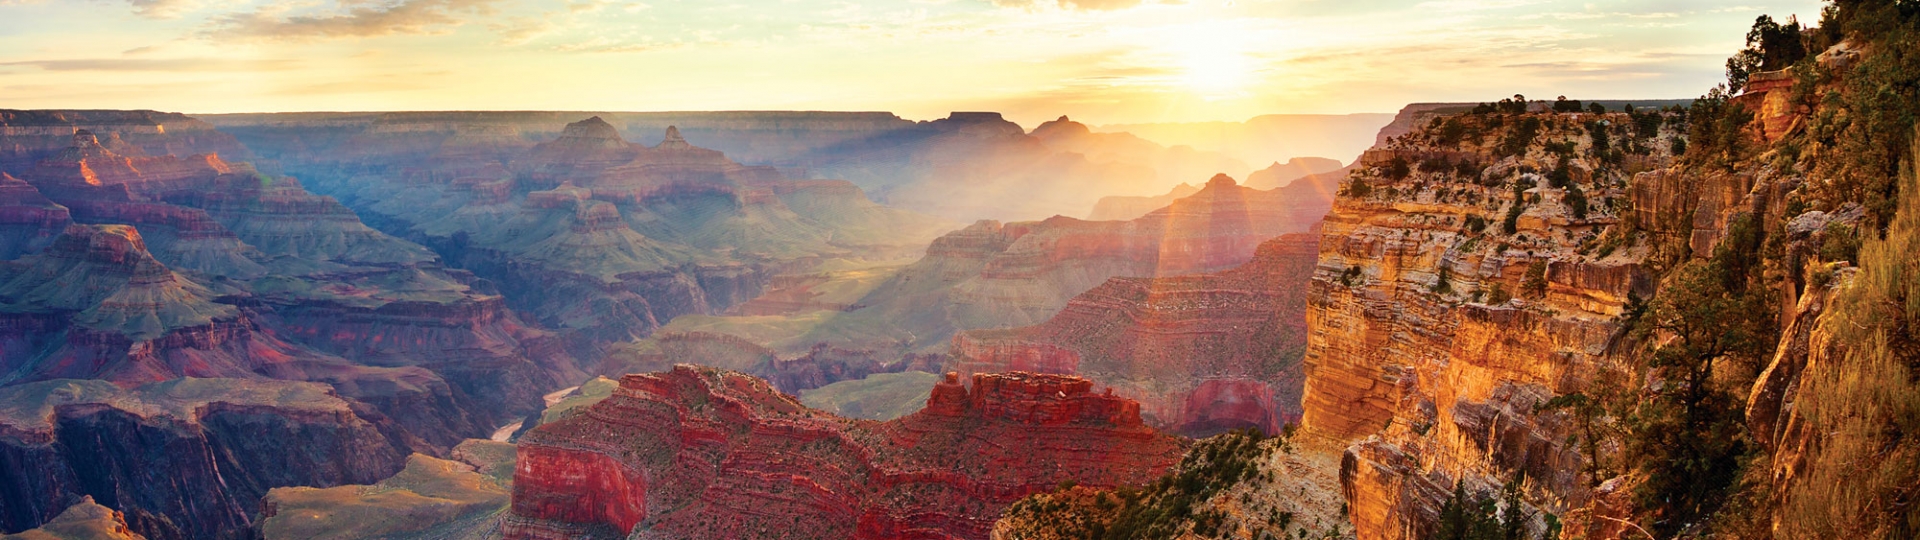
[
  {"x": 188, "y": 458},
  {"x": 702, "y": 453},
  {"x": 1203, "y": 354},
  {"x": 1438, "y": 328}
]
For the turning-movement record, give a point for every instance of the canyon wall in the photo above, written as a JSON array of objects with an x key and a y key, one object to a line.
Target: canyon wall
[
  {"x": 1434, "y": 334},
  {"x": 1474, "y": 269}
]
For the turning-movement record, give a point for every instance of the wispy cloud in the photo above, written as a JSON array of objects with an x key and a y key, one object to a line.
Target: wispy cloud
[
  {"x": 1070, "y": 4},
  {"x": 156, "y": 64},
  {"x": 350, "y": 19},
  {"x": 163, "y": 9}
]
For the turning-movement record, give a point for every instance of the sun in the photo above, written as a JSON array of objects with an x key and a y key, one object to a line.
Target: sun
[
  {"x": 1216, "y": 73},
  {"x": 1212, "y": 61}
]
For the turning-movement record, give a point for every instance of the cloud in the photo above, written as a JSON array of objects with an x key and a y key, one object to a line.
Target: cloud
[
  {"x": 520, "y": 30},
  {"x": 158, "y": 64},
  {"x": 351, "y": 19},
  {"x": 1085, "y": 5},
  {"x": 604, "y": 45},
  {"x": 162, "y": 9}
]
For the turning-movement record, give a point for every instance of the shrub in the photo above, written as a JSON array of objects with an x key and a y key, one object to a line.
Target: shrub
[
  {"x": 1498, "y": 295},
  {"x": 1476, "y": 223},
  {"x": 1576, "y": 201}
]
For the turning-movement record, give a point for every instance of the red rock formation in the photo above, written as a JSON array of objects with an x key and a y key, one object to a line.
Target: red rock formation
[
  {"x": 702, "y": 453},
  {"x": 1201, "y": 353}
]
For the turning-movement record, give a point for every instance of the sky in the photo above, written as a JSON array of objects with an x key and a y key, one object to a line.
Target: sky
[{"x": 1099, "y": 61}]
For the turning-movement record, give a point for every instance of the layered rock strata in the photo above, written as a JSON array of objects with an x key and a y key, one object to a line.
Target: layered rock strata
[{"x": 702, "y": 453}]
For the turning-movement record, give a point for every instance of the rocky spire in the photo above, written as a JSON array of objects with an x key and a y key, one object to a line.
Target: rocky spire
[
  {"x": 83, "y": 138},
  {"x": 673, "y": 140}
]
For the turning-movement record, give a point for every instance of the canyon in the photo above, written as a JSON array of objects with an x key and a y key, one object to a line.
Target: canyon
[{"x": 153, "y": 281}]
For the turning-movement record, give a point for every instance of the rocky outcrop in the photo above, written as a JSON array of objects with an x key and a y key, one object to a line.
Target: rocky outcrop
[
  {"x": 1203, "y": 354},
  {"x": 701, "y": 453},
  {"x": 85, "y": 520},
  {"x": 187, "y": 458}
]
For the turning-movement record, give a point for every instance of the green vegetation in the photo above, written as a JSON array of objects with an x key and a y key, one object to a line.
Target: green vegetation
[
  {"x": 1356, "y": 187},
  {"x": 1470, "y": 517},
  {"x": 1514, "y": 105},
  {"x": 1176, "y": 504},
  {"x": 1860, "y": 483},
  {"x": 1863, "y": 127},
  {"x": 1398, "y": 168},
  {"x": 1351, "y": 276},
  {"x": 1770, "y": 46},
  {"x": 1716, "y": 132},
  {"x": 1517, "y": 139},
  {"x": 1476, "y": 223},
  {"x": 1689, "y": 440}
]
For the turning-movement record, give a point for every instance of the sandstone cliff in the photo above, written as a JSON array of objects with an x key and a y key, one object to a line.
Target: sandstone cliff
[{"x": 1437, "y": 327}]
